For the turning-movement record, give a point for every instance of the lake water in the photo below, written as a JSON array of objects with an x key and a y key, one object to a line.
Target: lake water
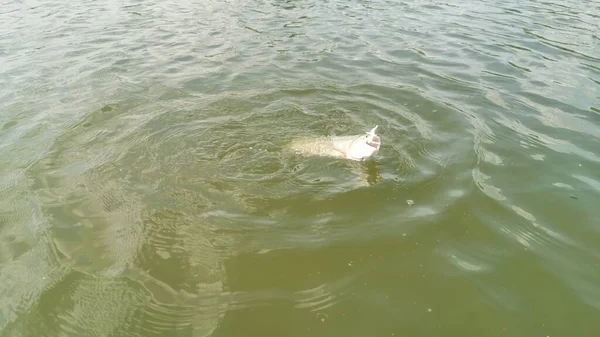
[{"x": 146, "y": 189}]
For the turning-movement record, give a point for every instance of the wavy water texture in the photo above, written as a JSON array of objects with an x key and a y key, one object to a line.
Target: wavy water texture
[{"x": 148, "y": 188}]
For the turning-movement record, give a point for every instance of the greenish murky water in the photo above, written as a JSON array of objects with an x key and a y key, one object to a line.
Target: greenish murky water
[{"x": 146, "y": 189}]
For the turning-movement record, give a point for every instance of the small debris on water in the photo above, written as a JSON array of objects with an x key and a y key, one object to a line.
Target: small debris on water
[
  {"x": 573, "y": 197},
  {"x": 322, "y": 316},
  {"x": 410, "y": 202}
]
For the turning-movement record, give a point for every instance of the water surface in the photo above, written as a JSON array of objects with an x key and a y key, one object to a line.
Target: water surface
[{"x": 146, "y": 190}]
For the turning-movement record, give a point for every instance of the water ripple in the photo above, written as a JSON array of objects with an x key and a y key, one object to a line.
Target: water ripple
[{"x": 147, "y": 189}]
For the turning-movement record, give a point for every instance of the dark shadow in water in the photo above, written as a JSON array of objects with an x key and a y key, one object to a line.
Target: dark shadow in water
[{"x": 371, "y": 169}]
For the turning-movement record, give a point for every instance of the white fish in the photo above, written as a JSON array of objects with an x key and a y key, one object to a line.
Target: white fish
[{"x": 357, "y": 147}]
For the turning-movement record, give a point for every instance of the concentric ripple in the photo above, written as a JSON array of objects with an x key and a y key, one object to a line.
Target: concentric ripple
[{"x": 148, "y": 188}]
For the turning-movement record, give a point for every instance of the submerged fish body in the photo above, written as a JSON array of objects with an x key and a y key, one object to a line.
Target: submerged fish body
[{"x": 357, "y": 147}]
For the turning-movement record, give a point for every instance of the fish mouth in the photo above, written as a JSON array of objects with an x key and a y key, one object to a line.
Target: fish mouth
[{"x": 375, "y": 142}]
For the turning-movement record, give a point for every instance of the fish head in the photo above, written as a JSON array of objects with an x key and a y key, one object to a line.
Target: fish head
[{"x": 364, "y": 146}]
